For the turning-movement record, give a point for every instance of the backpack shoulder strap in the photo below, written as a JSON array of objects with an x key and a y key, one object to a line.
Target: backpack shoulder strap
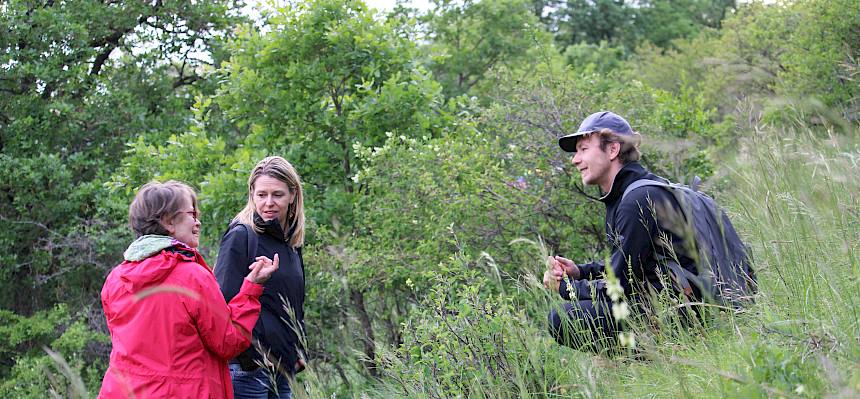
[
  {"x": 251, "y": 240},
  {"x": 643, "y": 183}
]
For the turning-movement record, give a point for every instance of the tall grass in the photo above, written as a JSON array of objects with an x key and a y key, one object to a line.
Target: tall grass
[{"x": 792, "y": 194}]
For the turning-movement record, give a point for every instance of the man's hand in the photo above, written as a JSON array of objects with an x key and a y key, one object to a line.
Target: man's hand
[
  {"x": 550, "y": 281},
  {"x": 262, "y": 269},
  {"x": 566, "y": 265}
]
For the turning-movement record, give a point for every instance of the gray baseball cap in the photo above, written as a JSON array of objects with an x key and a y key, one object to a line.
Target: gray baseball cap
[{"x": 595, "y": 122}]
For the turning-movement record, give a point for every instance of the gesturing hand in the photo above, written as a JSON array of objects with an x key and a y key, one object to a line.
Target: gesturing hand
[
  {"x": 550, "y": 281},
  {"x": 563, "y": 264},
  {"x": 262, "y": 269}
]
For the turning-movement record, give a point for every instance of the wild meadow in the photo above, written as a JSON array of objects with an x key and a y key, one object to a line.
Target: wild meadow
[{"x": 435, "y": 188}]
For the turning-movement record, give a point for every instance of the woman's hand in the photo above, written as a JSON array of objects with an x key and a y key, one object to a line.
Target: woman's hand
[{"x": 262, "y": 269}]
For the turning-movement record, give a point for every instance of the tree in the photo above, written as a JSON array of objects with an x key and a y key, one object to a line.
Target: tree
[
  {"x": 662, "y": 21},
  {"x": 469, "y": 38},
  {"x": 595, "y": 21},
  {"x": 629, "y": 23},
  {"x": 328, "y": 78},
  {"x": 79, "y": 79}
]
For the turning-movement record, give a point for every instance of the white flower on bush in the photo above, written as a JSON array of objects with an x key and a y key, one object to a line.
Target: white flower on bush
[
  {"x": 614, "y": 290},
  {"x": 627, "y": 339},
  {"x": 620, "y": 311}
]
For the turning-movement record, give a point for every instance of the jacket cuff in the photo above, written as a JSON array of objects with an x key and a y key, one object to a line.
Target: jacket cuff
[
  {"x": 563, "y": 290},
  {"x": 251, "y": 288}
]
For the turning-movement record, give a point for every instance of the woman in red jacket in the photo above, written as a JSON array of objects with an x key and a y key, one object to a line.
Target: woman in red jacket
[{"x": 171, "y": 331}]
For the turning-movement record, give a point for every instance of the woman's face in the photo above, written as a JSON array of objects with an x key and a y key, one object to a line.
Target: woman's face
[
  {"x": 185, "y": 225},
  {"x": 272, "y": 198}
]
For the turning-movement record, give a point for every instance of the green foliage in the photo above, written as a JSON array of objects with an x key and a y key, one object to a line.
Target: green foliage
[
  {"x": 551, "y": 103},
  {"x": 631, "y": 23},
  {"x": 420, "y": 200},
  {"x": 467, "y": 343},
  {"x": 197, "y": 159},
  {"x": 340, "y": 77},
  {"x": 781, "y": 368},
  {"x": 28, "y": 339},
  {"x": 798, "y": 52},
  {"x": 65, "y": 93},
  {"x": 663, "y": 21},
  {"x": 468, "y": 38},
  {"x": 79, "y": 79},
  {"x": 26, "y": 334},
  {"x": 611, "y": 21},
  {"x": 47, "y": 241},
  {"x": 594, "y": 58},
  {"x": 821, "y": 56}
]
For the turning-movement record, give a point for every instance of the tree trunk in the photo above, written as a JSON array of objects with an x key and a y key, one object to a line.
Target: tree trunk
[{"x": 368, "y": 339}]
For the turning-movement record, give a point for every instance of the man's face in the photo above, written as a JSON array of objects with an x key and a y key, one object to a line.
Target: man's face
[{"x": 592, "y": 162}]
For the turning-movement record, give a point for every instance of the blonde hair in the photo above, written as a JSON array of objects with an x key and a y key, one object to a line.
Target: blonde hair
[
  {"x": 156, "y": 203},
  {"x": 277, "y": 168}
]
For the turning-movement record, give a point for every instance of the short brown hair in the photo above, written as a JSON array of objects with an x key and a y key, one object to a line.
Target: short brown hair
[
  {"x": 157, "y": 202},
  {"x": 629, "y": 144}
]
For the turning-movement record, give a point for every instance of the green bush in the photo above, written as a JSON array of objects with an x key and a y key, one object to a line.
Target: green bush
[{"x": 50, "y": 353}]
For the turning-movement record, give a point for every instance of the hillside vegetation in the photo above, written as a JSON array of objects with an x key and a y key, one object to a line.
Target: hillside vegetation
[{"x": 434, "y": 186}]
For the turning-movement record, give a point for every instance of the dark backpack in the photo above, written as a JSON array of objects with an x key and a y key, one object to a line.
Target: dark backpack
[
  {"x": 725, "y": 275},
  {"x": 252, "y": 240}
]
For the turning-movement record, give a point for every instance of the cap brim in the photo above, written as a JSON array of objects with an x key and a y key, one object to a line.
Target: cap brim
[{"x": 568, "y": 143}]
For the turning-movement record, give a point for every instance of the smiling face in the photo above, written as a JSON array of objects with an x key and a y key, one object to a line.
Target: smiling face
[
  {"x": 184, "y": 225},
  {"x": 596, "y": 165},
  {"x": 272, "y": 199}
]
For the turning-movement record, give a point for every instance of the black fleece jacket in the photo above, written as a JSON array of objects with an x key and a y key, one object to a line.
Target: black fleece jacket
[
  {"x": 275, "y": 329},
  {"x": 634, "y": 235}
]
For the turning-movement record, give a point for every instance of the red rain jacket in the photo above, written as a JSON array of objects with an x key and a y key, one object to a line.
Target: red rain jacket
[{"x": 171, "y": 331}]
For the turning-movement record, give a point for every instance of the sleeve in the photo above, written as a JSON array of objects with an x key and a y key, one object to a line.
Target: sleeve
[
  {"x": 230, "y": 266},
  {"x": 591, "y": 271},
  {"x": 226, "y": 329}
]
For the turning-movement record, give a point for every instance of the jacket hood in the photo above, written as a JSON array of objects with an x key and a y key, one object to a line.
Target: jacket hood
[
  {"x": 146, "y": 246},
  {"x": 141, "y": 268}
]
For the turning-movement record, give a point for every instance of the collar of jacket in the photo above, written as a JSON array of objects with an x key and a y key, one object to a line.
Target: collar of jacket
[
  {"x": 628, "y": 174},
  {"x": 273, "y": 228},
  {"x": 151, "y": 258},
  {"x": 152, "y": 244}
]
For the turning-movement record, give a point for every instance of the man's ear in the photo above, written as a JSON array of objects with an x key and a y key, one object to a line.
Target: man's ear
[{"x": 614, "y": 150}]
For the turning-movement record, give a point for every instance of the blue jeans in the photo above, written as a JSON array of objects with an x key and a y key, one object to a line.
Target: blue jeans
[{"x": 258, "y": 384}]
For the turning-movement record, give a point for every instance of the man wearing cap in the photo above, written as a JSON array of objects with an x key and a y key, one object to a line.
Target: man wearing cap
[{"x": 606, "y": 152}]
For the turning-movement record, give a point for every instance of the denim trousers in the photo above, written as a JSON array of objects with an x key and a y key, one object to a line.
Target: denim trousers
[{"x": 259, "y": 384}]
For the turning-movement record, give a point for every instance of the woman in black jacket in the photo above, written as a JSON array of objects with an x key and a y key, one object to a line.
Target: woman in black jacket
[{"x": 271, "y": 224}]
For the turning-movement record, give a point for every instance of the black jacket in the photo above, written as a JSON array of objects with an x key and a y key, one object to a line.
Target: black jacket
[
  {"x": 275, "y": 329},
  {"x": 634, "y": 235}
]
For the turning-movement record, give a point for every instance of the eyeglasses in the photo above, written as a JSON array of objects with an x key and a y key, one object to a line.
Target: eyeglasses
[{"x": 194, "y": 214}]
